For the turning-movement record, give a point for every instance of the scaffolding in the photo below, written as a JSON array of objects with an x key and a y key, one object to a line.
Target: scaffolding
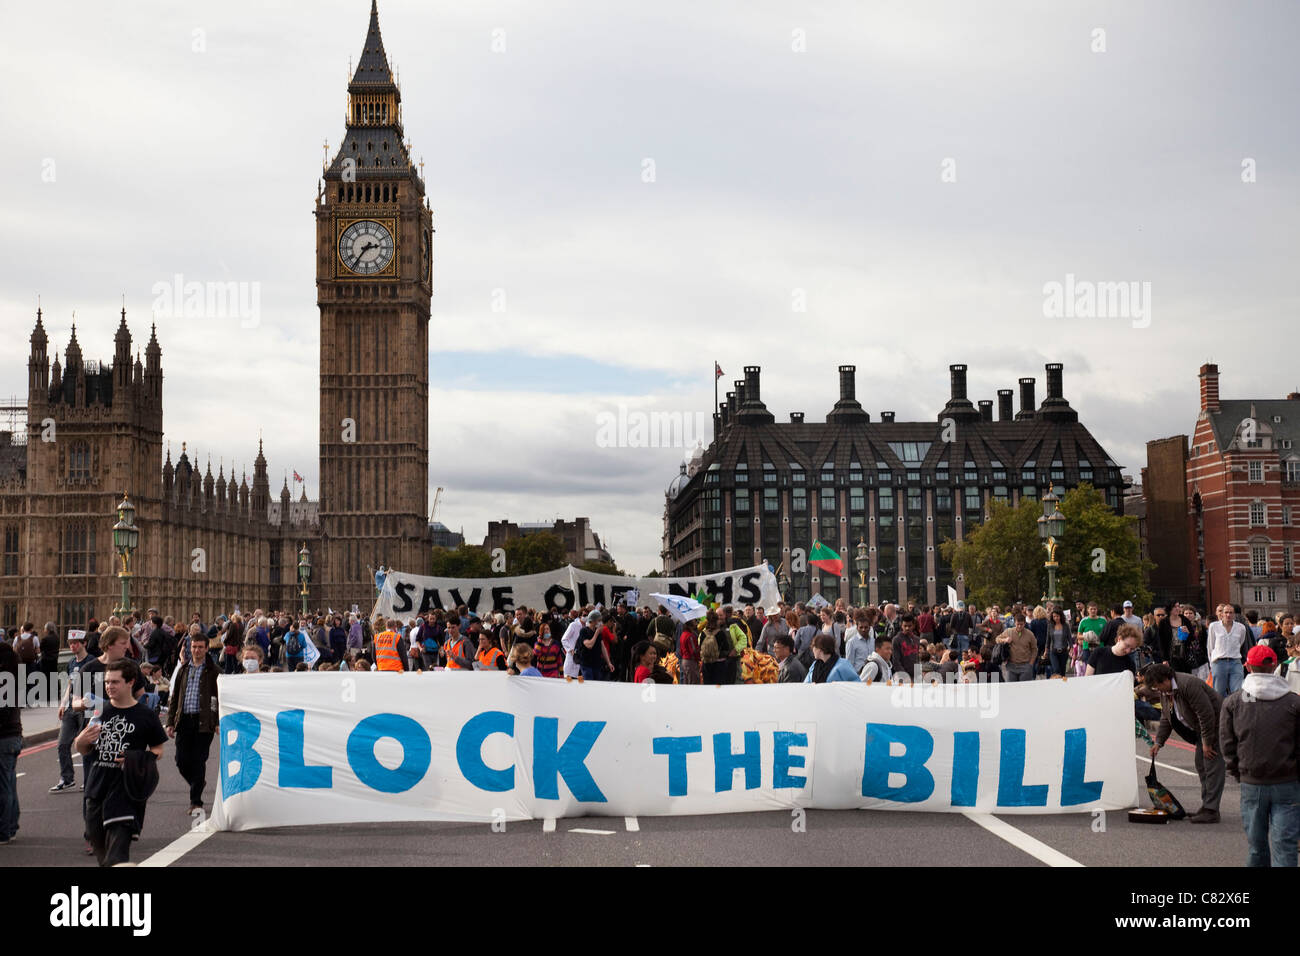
[{"x": 13, "y": 419}]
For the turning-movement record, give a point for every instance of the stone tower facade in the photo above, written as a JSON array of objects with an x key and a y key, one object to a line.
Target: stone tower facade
[{"x": 374, "y": 279}]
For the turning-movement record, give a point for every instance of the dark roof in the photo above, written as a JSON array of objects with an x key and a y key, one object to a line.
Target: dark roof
[
  {"x": 378, "y": 151},
  {"x": 1228, "y": 419}
]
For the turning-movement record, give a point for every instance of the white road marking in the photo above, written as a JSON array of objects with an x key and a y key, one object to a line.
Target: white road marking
[
  {"x": 1167, "y": 766},
  {"x": 1021, "y": 840},
  {"x": 596, "y": 832},
  {"x": 180, "y": 846},
  {"x": 643, "y": 866},
  {"x": 23, "y": 774},
  {"x": 631, "y": 824},
  {"x": 548, "y": 825}
]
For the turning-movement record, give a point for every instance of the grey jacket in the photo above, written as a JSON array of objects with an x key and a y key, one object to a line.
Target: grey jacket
[
  {"x": 1199, "y": 704},
  {"x": 1259, "y": 732}
]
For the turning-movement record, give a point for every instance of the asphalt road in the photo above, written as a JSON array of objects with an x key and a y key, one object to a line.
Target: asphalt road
[{"x": 50, "y": 834}]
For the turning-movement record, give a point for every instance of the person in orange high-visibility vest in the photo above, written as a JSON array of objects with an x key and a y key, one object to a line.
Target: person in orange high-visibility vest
[
  {"x": 489, "y": 656},
  {"x": 459, "y": 651},
  {"x": 386, "y": 656}
]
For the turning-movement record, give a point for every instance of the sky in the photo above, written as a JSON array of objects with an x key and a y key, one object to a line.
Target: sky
[{"x": 624, "y": 194}]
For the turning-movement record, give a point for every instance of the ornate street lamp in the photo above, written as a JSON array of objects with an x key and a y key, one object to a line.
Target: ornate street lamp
[
  {"x": 862, "y": 572},
  {"x": 304, "y": 574},
  {"x": 126, "y": 538},
  {"x": 1051, "y": 528}
]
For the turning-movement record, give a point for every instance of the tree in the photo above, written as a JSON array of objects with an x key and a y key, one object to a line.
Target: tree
[
  {"x": 533, "y": 553},
  {"x": 1100, "y": 554},
  {"x": 1001, "y": 559},
  {"x": 601, "y": 567},
  {"x": 466, "y": 561}
]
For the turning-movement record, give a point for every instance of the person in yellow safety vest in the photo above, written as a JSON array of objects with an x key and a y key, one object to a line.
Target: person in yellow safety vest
[
  {"x": 386, "y": 656},
  {"x": 459, "y": 651},
  {"x": 489, "y": 656}
]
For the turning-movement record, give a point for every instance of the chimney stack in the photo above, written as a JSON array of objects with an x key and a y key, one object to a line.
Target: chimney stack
[
  {"x": 957, "y": 378},
  {"x": 796, "y": 418},
  {"x": 1005, "y": 412},
  {"x": 847, "y": 409},
  {"x": 1054, "y": 389},
  {"x": 739, "y": 393},
  {"x": 1209, "y": 388},
  {"x": 846, "y": 382},
  {"x": 751, "y": 384},
  {"x": 1027, "y": 403},
  {"x": 749, "y": 408},
  {"x": 986, "y": 410},
  {"x": 886, "y": 416}
]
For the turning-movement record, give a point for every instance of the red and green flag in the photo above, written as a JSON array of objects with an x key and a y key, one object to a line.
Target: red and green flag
[{"x": 828, "y": 560}]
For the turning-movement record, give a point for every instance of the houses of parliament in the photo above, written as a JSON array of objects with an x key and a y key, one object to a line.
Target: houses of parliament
[{"x": 94, "y": 430}]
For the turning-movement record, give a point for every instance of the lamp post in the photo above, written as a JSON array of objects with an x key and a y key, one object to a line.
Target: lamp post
[
  {"x": 862, "y": 572},
  {"x": 304, "y": 573},
  {"x": 126, "y": 538},
  {"x": 1051, "y": 527}
]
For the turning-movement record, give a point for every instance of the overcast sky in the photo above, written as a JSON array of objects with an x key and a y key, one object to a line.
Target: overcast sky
[{"x": 798, "y": 151}]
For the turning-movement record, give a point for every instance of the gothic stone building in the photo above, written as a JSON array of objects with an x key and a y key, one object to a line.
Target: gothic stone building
[
  {"x": 95, "y": 431},
  {"x": 764, "y": 488}
]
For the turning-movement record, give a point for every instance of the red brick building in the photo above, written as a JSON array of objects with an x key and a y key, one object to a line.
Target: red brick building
[{"x": 1243, "y": 493}]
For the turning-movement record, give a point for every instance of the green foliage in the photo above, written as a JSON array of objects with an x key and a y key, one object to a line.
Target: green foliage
[
  {"x": 534, "y": 553},
  {"x": 1001, "y": 559},
  {"x": 1100, "y": 555},
  {"x": 601, "y": 567},
  {"x": 466, "y": 561}
]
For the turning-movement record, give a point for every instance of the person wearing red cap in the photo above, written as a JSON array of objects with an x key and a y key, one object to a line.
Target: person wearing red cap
[{"x": 1259, "y": 736}]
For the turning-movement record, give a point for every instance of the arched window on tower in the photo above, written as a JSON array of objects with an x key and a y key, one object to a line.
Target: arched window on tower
[{"x": 78, "y": 553}]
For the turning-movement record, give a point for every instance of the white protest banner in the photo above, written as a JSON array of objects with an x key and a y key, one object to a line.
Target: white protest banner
[
  {"x": 405, "y": 595},
  {"x": 681, "y": 608},
  {"x": 952, "y": 596},
  {"x": 318, "y": 748},
  {"x": 756, "y": 585}
]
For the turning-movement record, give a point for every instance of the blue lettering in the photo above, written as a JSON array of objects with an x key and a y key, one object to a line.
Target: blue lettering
[
  {"x": 551, "y": 760},
  {"x": 1074, "y": 790},
  {"x": 965, "y": 767},
  {"x": 293, "y": 770},
  {"x": 1012, "y": 791},
  {"x": 417, "y": 751},
  {"x": 783, "y": 760},
  {"x": 911, "y": 763},
  {"x": 677, "y": 748},
  {"x": 247, "y": 729},
  {"x": 725, "y": 763},
  {"x": 469, "y": 751}
]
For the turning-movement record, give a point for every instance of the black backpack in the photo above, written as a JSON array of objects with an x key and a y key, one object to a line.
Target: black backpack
[{"x": 293, "y": 645}]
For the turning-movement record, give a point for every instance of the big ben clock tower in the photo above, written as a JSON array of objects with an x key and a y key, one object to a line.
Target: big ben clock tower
[{"x": 374, "y": 279}]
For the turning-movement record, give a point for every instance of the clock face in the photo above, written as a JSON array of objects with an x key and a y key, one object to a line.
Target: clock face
[{"x": 366, "y": 247}]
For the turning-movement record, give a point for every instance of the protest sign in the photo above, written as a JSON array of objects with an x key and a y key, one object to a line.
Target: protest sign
[{"x": 354, "y": 747}]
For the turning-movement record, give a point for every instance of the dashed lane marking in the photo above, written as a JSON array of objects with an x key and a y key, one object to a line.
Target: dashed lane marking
[{"x": 632, "y": 825}]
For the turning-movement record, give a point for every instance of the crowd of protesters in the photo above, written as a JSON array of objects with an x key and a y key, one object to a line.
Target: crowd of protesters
[{"x": 163, "y": 675}]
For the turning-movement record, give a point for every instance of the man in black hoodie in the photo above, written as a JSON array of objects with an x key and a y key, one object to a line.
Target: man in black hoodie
[
  {"x": 11, "y": 744},
  {"x": 1259, "y": 734}
]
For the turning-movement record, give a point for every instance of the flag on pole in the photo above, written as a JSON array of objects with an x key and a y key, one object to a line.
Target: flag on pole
[
  {"x": 823, "y": 557},
  {"x": 298, "y": 477},
  {"x": 717, "y": 371}
]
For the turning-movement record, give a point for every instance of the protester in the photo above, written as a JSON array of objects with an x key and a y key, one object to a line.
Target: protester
[
  {"x": 1120, "y": 656},
  {"x": 1259, "y": 734},
  {"x": 126, "y": 740},
  {"x": 1022, "y": 650},
  {"x": 879, "y": 666},
  {"x": 789, "y": 669},
  {"x": 1226, "y": 636},
  {"x": 192, "y": 717},
  {"x": 71, "y": 721},
  {"x": 11, "y": 745},
  {"x": 688, "y": 655},
  {"x": 1192, "y": 708},
  {"x": 827, "y": 665}
]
